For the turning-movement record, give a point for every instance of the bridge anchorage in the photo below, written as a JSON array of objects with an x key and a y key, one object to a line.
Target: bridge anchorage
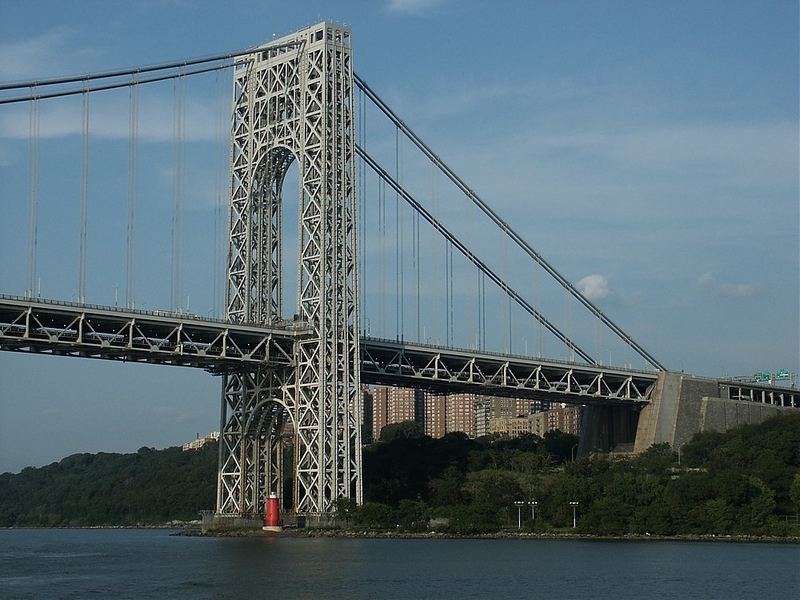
[{"x": 291, "y": 390}]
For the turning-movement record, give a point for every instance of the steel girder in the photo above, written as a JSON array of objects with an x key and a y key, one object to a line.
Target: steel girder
[
  {"x": 296, "y": 103},
  {"x": 448, "y": 369},
  {"x": 60, "y": 328}
]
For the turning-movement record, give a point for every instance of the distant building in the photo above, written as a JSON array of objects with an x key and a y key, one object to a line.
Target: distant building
[
  {"x": 394, "y": 405},
  {"x": 440, "y": 414},
  {"x": 565, "y": 418},
  {"x": 434, "y": 421},
  {"x": 460, "y": 413},
  {"x": 493, "y": 407},
  {"x": 511, "y": 426},
  {"x": 367, "y": 407},
  {"x": 380, "y": 397},
  {"x": 483, "y": 414},
  {"x": 201, "y": 441}
]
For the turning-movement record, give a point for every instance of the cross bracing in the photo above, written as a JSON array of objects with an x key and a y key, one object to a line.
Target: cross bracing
[
  {"x": 50, "y": 327},
  {"x": 160, "y": 337}
]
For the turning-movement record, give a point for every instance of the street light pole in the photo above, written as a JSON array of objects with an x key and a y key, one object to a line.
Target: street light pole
[
  {"x": 574, "y": 506},
  {"x": 519, "y": 504},
  {"x": 533, "y": 504}
]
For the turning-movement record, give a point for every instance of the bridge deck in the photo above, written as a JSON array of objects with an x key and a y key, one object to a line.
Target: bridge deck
[
  {"x": 159, "y": 337},
  {"x": 60, "y": 328}
]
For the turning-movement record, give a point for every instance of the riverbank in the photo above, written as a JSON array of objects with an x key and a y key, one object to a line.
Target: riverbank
[{"x": 500, "y": 535}]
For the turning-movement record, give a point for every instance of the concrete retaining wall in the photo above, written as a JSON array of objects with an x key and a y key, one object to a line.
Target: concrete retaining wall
[{"x": 682, "y": 406}]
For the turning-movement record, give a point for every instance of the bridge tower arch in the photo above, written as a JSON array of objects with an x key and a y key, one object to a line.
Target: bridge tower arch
[{"x": 295, "y": 102}]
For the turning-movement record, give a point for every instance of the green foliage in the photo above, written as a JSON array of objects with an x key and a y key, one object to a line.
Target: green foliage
[
  {"x": 794, "y": 491},
  {"x": 742, "y": 481},
  {"x": 737, "y": 482},
  {"x": 405, "y": 430},
  {"x": 148, "y": 487}
]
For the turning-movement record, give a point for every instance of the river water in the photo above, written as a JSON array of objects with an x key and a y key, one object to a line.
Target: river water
[{"x": 125, "y": 563}]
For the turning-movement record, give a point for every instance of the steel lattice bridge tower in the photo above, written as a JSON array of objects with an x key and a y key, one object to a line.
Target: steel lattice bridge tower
[
  {"x": 295, "y": 103},
  {"x": 298, "y": 383}
]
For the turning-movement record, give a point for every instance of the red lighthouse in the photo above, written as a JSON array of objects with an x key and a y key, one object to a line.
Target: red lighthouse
[{"x": 272, "y": 514}]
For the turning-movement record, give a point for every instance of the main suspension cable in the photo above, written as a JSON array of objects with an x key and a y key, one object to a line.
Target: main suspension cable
[
  {"x": 495, "y": 218},
  {"x": 386, "y": 178},
  {"x": 181, "y": 64}
]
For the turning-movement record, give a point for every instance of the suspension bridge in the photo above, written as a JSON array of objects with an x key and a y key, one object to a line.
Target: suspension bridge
[{"x": 364, "y": 224}]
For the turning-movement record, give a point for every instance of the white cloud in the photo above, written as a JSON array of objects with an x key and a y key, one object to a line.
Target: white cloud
[
  {"x": 43, "y": 55},
  {"x": 108, "y": 119},
  {"x": 708, "y": 282},
  {"x": 413, "y": 7},
  {"x": 594, "y": 287}
]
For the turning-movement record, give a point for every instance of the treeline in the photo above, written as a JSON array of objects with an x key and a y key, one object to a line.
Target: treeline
[
  {"x": 148, "y": 487},
  {"x": 746, "y": 481}
]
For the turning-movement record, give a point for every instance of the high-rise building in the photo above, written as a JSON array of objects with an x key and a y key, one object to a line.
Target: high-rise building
[
  {"x": 434, "y": 420},
  {"x": 380, "y": 409},
  {"x": 483, "y": 414},
  {"x": 367, "y": 409},
  {"x": 564, "y": 417},
  {"x": 460, "y": 413},
  {"x": 401, "y": 405},
  {"x": 440, "y": 414},
  {"x": 394, "y": 405}
]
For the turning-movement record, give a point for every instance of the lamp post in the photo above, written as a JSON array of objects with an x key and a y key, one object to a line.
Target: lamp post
[
  {"x": 519, "y": 504},
  {"x": 574, "y": 506},
  {"x": 533, "y": 504},
  {"x": 572, "y": 452}
]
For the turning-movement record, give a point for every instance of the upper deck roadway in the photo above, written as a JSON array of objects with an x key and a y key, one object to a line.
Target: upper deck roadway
[{"x": 160, "y": 337}]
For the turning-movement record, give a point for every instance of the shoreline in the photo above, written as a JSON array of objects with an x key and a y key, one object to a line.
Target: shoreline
[
  {"x": 501, "y": 535},
  {"x": 192, "y": 530}
]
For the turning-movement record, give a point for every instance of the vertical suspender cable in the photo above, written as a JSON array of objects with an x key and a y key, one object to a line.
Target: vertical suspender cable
[
  {"x": 382, "y": 232},
  {"x": 363, "y": 287},
  {"x": 477, "y": 309},
  {"x": 400, "y": 236},
  {"x": 174, "y": 191},
  {"x": 568, "y": 324},
  {"x": 507, "y": 266},
  {"x": 177, "y": 219},
  {"x": 84, "y": 199},
  {"x": 510, "y": 340},
  {"x": 417, "y": 267},
  {"x": 536, "y": 300},
  {"x": 217, "y": 268},
  {"x": 483, "y": 310},
  {"x": 451, "y": 334},
  {"x": 33, "y": 193},
  {"x": 398, "y": 301},
  {"x": 447, "y": 291},
  {"x": 133, "y": 133},
  {"x": 360, "y": 193}
]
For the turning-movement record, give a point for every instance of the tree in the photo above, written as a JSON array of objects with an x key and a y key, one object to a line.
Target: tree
[
  {"x": 561, "y": 445},
  {"x": 794, "y": 491},
  {"x": 404, "y": 430}
]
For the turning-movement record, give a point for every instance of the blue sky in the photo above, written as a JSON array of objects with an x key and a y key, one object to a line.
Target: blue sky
[{"x": 648, "y": 149}]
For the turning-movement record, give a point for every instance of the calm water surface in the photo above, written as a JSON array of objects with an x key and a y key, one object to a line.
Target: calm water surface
[{"x": 152, "y": 564}]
